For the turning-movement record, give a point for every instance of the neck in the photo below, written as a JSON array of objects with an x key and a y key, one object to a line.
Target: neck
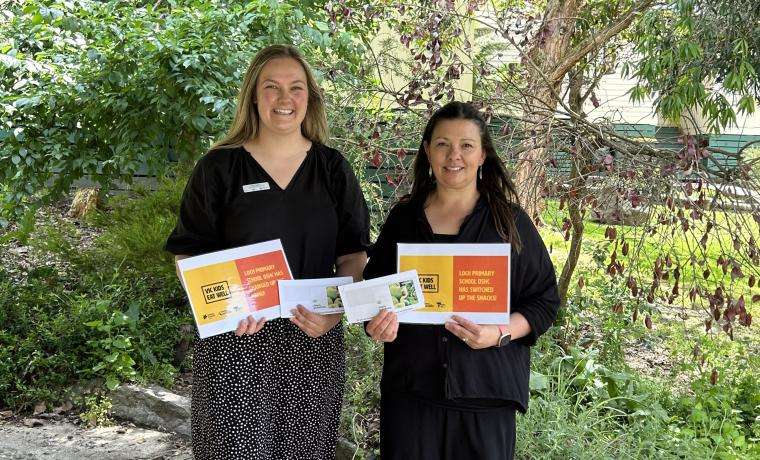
[
  {"x": 267, "y": 143},
  {"x": 455, "y": 199}
]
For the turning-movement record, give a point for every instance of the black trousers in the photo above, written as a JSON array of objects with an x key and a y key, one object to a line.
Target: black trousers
[{"x": 416, "y": 429}]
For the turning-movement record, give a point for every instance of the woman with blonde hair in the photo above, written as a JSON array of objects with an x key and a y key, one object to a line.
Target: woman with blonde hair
[{"x": 273, "y": 389}]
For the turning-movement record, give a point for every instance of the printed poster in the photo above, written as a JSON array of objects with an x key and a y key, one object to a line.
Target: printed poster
[
  {"x": 319, "y": 295},
  {"x": 469, "y": 280},
  {"x": 398, "y": 292},
  {"x": 226, "y": 286}
]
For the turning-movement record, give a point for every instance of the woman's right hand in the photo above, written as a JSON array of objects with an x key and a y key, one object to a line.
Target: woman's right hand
[
  {"x": 250, "y": 326},
  {"x": 384, "y": 326}
]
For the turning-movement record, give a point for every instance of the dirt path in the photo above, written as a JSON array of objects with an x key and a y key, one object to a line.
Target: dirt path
[{"x": 64, "y": 440}]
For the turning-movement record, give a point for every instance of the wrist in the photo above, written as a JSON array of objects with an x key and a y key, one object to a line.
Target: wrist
[
  {"x": 495, "y": 342},
  {"x": 504, "y": 336}
]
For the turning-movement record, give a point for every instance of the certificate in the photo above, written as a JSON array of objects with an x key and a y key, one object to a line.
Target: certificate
[
  {"x": 399, "y": 292},
  {"x": 318, "y": 295},
  {"x": 469, "y": 280},
  {"x": 226, "y": 286}
]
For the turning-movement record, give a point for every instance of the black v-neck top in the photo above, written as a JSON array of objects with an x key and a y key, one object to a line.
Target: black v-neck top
[
  {"x": 429, "y": 362},
  {"x": 230, "y": 201}
]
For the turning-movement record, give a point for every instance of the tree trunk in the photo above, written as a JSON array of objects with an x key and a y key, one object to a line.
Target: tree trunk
[
  {"x": 547, "y": 50},
  {"x": 577, "y": 192}
]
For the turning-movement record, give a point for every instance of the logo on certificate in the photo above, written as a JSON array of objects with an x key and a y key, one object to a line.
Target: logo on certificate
[
  {"x": 429, "y": 282},
  {"x": 216, "y": 292}
]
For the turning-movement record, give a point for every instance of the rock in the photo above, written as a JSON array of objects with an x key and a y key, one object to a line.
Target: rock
[
  {"x": 153, "y": 407},
  {"x": 85, "y": 201},
  {"x": 346, "y": 450},
  {"x": 33, "y": 422}
]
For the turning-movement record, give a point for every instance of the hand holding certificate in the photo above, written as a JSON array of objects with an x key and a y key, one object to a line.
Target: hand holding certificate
[{"x": 226, "y": 286}]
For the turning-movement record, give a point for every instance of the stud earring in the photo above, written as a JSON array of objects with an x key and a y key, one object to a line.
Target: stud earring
[
  {"x": 430, "y": 171},
  {"x": 480, "y": 172}
]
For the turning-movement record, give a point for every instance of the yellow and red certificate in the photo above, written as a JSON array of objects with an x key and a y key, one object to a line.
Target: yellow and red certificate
[
  {"x": 226, "y": 286},
  {"x": 469, "y": 280}
]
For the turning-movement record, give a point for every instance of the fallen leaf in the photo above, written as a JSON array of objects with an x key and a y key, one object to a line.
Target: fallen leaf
[{"x": 39, "y": 408}]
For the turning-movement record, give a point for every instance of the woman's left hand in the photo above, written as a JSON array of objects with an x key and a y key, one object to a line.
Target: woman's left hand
[
  {"x": 312, "y": 324},
  {"x": 476, "y": 336}
]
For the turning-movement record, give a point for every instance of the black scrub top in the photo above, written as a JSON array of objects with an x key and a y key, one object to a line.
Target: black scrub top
[
  {"x": 231, "y": 201},
  {"x": 428, "y": 361}
]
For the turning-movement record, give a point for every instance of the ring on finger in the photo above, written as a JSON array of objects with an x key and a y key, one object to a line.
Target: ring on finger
[{"x": 464, "y": 340}]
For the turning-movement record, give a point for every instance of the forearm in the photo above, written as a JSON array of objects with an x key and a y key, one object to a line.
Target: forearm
[
  {"x": 518, "y": 326},
  {"x": 351, "y": 265}
]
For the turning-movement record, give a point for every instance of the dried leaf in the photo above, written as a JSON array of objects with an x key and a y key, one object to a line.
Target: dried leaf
[
  {"x": 377, "y": 159},
  {"x": 625, "y": 249},
  {"x": 751, "y": 281},
  {"x": 612, "y": 233},
  {"x": 714, "y": 377},
  {"x": 40, "y": 407},
  {"x": 648, "y": 322}
]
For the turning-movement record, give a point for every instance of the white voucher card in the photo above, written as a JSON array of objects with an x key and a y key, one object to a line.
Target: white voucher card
[
  {"x": 398, "y": 292},
  {"x": 319, "y": 295}
]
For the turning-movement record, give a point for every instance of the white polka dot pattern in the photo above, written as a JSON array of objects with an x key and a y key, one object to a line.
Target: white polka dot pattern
[{"x": 273, "y": 395}]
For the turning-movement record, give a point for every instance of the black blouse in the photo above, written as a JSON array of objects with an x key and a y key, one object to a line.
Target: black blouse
[
  {"x": 428, "y": 361},
  {"x": 230, "y": 201}
]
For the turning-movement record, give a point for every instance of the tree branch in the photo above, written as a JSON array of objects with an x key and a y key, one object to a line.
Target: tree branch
[{"x": 593, "y": 43}]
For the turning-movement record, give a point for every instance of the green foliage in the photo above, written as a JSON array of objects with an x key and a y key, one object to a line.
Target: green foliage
[
  {"x": 107, "y": 89},
  {"x": 97, "y": 410},
  {"x": 360, "y": 416},
  {"x": 699, "y": 55},
  {"x": 113, "y": 314},
  {"x": 580, "y": 408}
]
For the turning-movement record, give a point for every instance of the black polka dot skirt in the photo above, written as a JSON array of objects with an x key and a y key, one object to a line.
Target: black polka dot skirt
[{"x": 272, "y": 395}]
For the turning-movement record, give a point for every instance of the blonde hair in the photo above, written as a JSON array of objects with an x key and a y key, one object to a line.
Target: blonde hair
[{"x": 245, "y": 125}]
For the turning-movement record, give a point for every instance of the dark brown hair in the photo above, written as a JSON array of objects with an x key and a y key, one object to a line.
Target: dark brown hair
[{"x": 496, "y": 185}]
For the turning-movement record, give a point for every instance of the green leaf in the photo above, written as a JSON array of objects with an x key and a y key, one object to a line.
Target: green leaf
[
  {"x": 112, "y": 382},
  {"x": 538, "y": 381}
]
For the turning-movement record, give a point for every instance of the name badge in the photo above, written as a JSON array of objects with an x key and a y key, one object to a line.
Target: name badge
[{"x": 256, "y": 187}]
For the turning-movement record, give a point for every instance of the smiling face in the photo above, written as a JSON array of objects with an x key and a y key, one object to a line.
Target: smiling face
[
  {"x": 282, "y": 96},
  {"x": 455, "y": 152}
]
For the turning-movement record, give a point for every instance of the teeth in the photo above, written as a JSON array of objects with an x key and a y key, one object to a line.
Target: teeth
[
  {"x": 453, "y": 169},
  {"x": 283, "y": 111}
]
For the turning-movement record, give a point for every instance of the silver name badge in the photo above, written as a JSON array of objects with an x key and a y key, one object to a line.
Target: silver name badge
[{"x": 256, "y": 187}]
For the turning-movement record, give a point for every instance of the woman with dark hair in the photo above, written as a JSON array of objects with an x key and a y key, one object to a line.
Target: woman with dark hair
[
  {"x": 451, "y": 391},
  {"x": 273, "y": 389}
]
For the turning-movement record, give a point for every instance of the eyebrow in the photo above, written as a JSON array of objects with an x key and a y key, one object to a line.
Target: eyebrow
[
  {"x": 462, "y": 139},
  {"x": 276, "y": 82}
]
